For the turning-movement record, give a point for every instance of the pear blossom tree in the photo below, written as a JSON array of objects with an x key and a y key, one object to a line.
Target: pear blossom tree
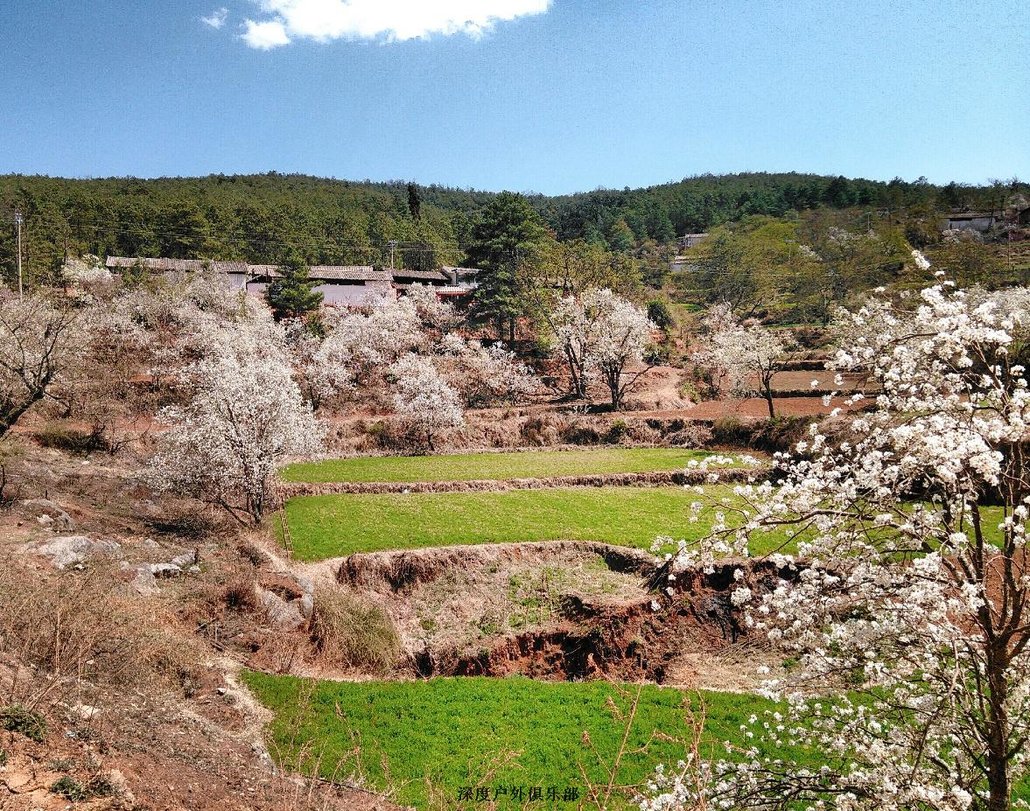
[
  {"x": 424, "y": 399},
  {"x": 361, "y": 344},
  {"x": 361, "y": 348},
  {"x": 746, "y": 355},
  {"x": 179, "y": 320},
  {"x": 573, "y": 340},
  {"x": 245, "y": 417},
  {"x": 907, "y": 601},
  {"x": 483, "y": 375},
  {"x": 85, "y": 275},
  {"x": 601, "y": 335}
]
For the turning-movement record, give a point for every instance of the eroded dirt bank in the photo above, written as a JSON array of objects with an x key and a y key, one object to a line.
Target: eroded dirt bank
[{"x": 557, "y": 610}]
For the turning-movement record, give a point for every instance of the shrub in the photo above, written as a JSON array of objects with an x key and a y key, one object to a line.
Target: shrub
[
  {"x": 69, "y": 788},
  {"x": 250, "y": 553},
  {"x": 779, "y": 434},
  {"x": 812, "y": 337},
  {"x": 72, "y": 440},
  {"x": 541, "y": 430},
  {"x": 101, "y": 786},
  {"x": 23, "y": 721},
  {"x": 731, "y": 431},
  {"x": 577, "y": 433},
  {"x": 658, "y": 354},
  {"x": 82, "y": 625},
  {"x": 658, "y": 311},
  {"x": 691, "y": 435},
  {"x": 189, "y": 525},
  {"x": 617, "y": 431},
  {"x": 349, "y": 632},
  {"x": 238, "y": 595}
]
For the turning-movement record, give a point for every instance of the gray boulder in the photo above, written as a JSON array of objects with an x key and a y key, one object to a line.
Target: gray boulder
[
  {"x": 143, "y": 581},
  {"x": 165, "y": 570},
  {"x": 186, "y": 559},
  {"x": 281, "y": 614},
  {"x": 50, "y": 514},
  {"x": 74, "y": 550}
]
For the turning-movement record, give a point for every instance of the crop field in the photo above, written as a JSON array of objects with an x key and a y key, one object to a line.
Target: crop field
[
  {"x": 493, "y": 466},
  {"x": 336, "y": 525},
  {"x": 448, "y": 734}
]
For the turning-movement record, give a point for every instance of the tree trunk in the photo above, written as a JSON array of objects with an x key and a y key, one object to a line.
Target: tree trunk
[
  {"x": 769, "y": 400},
  {"x": 997, "y": 756},
  {"x": 612, "y": 377},
  {"x": 578, "y": 386}
]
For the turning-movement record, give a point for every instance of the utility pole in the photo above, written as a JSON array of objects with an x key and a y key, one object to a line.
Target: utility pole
[
  {"x": 18, "y": 220},
  {"x": 393, "y": 246}
]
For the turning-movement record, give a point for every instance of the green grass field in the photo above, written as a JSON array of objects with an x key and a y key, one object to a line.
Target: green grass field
[
  {"x": 494, "y": 466},
  {"x": 337, "y": 525},
  {"x": 451, "y": 730}
]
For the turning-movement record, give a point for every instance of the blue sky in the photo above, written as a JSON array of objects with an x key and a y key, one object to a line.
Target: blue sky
[{"x": 532, "y": 95}]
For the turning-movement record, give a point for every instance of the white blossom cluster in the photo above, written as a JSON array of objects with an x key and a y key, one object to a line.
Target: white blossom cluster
[
  {"x": 423, "y": 397},
  {"x": 907, "y": 603},
  {"x": 362, "y": 348},
  {"x": 83, "y": 272}
]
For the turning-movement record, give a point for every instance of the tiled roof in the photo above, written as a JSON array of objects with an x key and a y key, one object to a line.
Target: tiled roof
[
  {"x": 350, "y": 273},
  {"x": 330, "y": 273},
  {"x": 318, "y": 273},
  {"x": 176, "y": 265},
  {"x": 423, "y": 275}
]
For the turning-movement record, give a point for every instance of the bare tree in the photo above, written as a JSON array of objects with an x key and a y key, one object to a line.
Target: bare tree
[{"x": 36, "y": 344}]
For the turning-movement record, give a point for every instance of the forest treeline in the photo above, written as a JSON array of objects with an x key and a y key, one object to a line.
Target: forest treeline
[{"x": 264, "y": 218}]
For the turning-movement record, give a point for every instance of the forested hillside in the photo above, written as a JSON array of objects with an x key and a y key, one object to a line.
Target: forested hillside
[{"x": 261, "y": 218}]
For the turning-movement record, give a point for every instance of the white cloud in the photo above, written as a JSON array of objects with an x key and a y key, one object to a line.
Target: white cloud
[
  {"x": 217, "y": 18},
  {"x": 265, "y": 35},
  {"x": 390, "y": 20}
]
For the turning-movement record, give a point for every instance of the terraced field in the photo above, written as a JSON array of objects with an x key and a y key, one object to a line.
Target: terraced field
[
  {"x": 493, "y": 466},
  {"x": 337, "y": 525},
  {"x": 441, "y": 739}
]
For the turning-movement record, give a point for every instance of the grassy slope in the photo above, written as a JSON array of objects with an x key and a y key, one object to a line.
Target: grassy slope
[
  {"x": 467, "y": 467},
  {"x": 452, "y": 729},
  {"x": 336, "y": 525}
]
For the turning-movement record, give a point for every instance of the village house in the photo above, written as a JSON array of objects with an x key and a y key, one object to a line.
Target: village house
[
  {"x": 340, "y": 285},
  {"x": 980, "y": 221}
]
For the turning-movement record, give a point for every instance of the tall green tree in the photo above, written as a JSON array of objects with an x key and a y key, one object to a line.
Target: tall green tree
[
  {"x": 292, "y": 295},
  {"x": 507, "y": 234}
]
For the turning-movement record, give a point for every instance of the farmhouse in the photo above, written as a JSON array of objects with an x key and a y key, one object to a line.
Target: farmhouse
[
  {"x": 980, "y": 221},
  {"x": 340, "y": 285}
]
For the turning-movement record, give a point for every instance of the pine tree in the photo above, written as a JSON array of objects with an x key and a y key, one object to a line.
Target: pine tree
[
  {"x": 505, "y": 236},
  {"x": 292, "y": 295}
]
